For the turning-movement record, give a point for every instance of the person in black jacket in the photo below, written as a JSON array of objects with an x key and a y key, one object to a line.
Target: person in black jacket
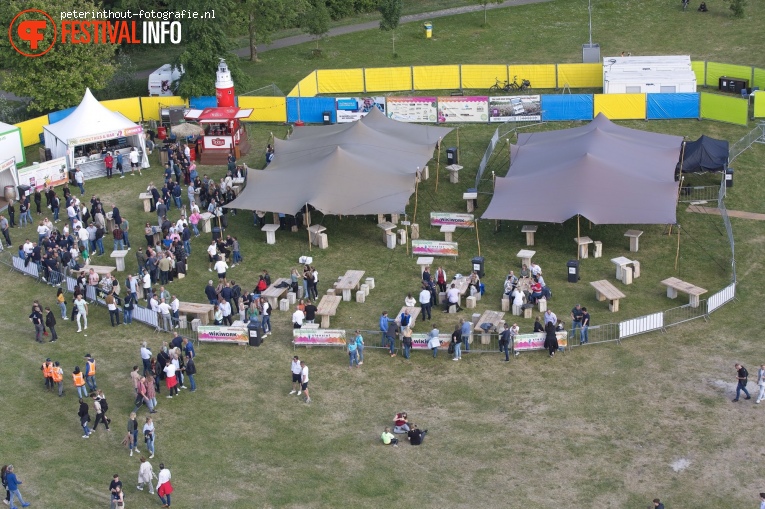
[
  {"x": 416, "y": 435},
  {"x": 84, "y": 419},
  {"x": 50, "y": 322},
  {"x": 191, "y": 370},
  {"x": 551, "y": 340}
]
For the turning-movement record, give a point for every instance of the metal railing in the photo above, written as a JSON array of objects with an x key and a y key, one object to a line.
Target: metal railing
[
  {"x": 690, "y": 194},
  {"x": 756, "y": 135}
]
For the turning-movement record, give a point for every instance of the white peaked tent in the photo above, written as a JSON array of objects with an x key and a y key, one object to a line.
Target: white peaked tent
[{"x": 92, "y": 122}]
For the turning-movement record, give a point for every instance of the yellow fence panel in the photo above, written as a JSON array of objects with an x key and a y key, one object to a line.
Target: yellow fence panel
[
  {"x": 482, "y": 76},
  {"x": 306, "y": 87},
  {"x": 436, "y": 77},
  {"x": 715, "y": 70},
  {"x": 265, "y": 109},
  {"x": 580, "y": 75},
  {"x": 620, "y": 106},
  {"x": 31, "y": 129},
  {"x": 388, "y": 79},
  {"x": 338, "y": 81},
  {"x": 150, "y": 105},
  {"x": 759, "y": 104},
  {"x": 699, "y": 69},
  {"x": 540, "y": 76},
  {"x": 759, "y": 78},
  {"x": 131, "y": 107}
]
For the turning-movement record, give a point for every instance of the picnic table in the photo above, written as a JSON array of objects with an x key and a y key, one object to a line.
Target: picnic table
[
  {"x": 414, "y": 312},
  {"x": 583, "y": 245},
  {"x": 525, "y": 255},
  {"x": 529, "y": 230},
  {"x": 270, "y": 230},
  {"x": 621, "y": 262},
  {"x": 461, "y": 284},
  {"x": 274, "y": 292},
  {"x": 674, "y": 285},
  {"x": 634, "y": 236},
  {"x": 448, "y": 230},
  {"x": 204, "y": 312},
  {"x": 327, "y": 307},
  {"x": 350, "y": 281},
  {"x": 146, "y": 197},
  {"x": 604, "y": 290},
  {"x": 119, "y": 256},
  {"x": 492, "y": 317},
  {"x": 314, "y": 231},
  {"x": 424, "y": 261}
]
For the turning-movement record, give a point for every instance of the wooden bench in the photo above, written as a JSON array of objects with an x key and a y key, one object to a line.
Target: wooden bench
[
  {"x": 529, "y": 230},
  {"x": 350, "y": 281},
  {"x": 273, "y": 293},
  {"x": 674, "y": 285},
  {"x": 414, "y": 312},
  {"x": 327, "y": 307},
  {"x": 205, "y": 313},
  {"x": 492, "y": 317},
  {"x": 604, "y": 290}
]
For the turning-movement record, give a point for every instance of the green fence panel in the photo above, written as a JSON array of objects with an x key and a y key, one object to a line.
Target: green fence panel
[
  {"x": 716, "y": 69},
  {"x": 759, "y": 78},
  {"x": 698, "y": 68},
  {"x": 724, "y": 108}
]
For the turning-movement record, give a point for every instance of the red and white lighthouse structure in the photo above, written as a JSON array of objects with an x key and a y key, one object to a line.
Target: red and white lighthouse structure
[{"x": 224, "y": 86}]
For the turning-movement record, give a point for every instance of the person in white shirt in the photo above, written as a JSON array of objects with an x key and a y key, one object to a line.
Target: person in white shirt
[
  {"x": 28, "y": 247},
  {"x": 297, "y": 319},
  {"x": 212, "y": 253},
  {"x": 154, "y": 304},
  {"x": 83, "y": 235},
  {"x": 164, "y": 477},
  {"x": 221, "y": 267},
  {"x": 517, "y": 297},
  {"x": 225, "y": 308},
  {"x": 146, "y": 285},
  {"x": 187, "y": 151},
  {"x": 145, "y": 475},
  {"x": 175, "y": 306},
  {"x": 425, "y": 303},
  {"x": 409, "y": 301},
  {"x": 164, "y": 309},
  {"x": 452, "y": 298},
  {"x": 304, "y": 381},
  {"x": 146, "y": 358},
  {"x": 535, "y": 269},
  {"x": 296, "y": 371},
  {"x": 134, "y": 162}
]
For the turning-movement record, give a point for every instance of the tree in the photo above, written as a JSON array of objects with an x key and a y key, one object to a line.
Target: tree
[
  {"x": 265, "y": 17},
  {"x": 391, "y": 15},
  {"x": 57, "y": 79},
  {"x": 485, "y": 4},
  {"x": 205, "y": 44},
  {"x": 737, "y": 6},
  {"x": 316, "y": 21}
]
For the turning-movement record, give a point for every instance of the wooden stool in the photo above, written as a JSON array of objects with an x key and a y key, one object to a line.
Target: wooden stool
[
  {"x": 364, "y": 288},
  {"x": 517, "y": 310},
  {"x": 505, "y": 304},
  {"x": 453, "y": 309},
  {"x": 598, "y": 249},
  {"x": 475, "y": 317},
  {"x": 195, "y": 323},
  {"x": 300, "y": 292},
  {"x": 370, "y": 282},
  {"x": 402, "y": 237},
  {"x": 361, "y": 296},
  {"x": 331, "y": 291},
  {"x": 323, "y": 241},
  {"x": 542, "y": 303},
  {"x": 627, "y": 275},
  {"x": 183, "y": 321},
  {"x": 291, "y": 297},
  {"x": 470, "y": 303},
  {"x": 527, "y": 312},
  {"x": 635, "y": 269},
  {"x": 415, "y": 231},
  {"x": 390, "y": 240},
  {"x": 441, "y": 297},
  {"x": 477, "y": 295},
  {"x": 284, "y": 305}
]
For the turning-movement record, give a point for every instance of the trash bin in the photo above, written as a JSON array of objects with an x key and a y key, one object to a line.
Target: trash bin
[
  {"x": 428, "y": 26},
  {"x": 255, "y": 333},
  {"x": 573, "y": 271},
  {"x": 728, "y": 177},
  {"x": 326, "y": 116},
  {"x": 478, "y": 264},
  {"x": 161, "y": 133},
  {"x": 451, "y": 155},
  {"x": 216, "y": 233},
  {"x": 23, "y": 190}
]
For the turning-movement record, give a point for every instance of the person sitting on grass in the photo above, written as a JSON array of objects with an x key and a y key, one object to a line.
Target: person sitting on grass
[
  {"x": 400, "y": 423},
  {"x": 416, "y": 436},
  {"x": 388, "y": 438}
]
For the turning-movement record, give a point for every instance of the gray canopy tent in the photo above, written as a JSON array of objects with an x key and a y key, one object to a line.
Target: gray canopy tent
[
  {"x": 607, "y": 173},
  {"x": 365, "y": 167}
]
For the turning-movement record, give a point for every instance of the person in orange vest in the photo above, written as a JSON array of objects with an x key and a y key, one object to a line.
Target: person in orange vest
[
  {"x": 90, "y": 372},
  {"x": 46, "y": 369},
  {"x": 57, "y": 374},
  {"x": 79, "y": 382}
]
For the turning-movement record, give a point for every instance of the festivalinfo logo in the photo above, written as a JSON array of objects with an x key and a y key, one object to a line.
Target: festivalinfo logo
[{"x": 34, "y": 32}]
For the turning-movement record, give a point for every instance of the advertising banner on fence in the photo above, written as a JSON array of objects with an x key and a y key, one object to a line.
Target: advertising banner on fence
[
  {"x": 318, "y": 337},
  {"x": 51, "y": 172},
  {"x": 536, "y": 341},
  {"x": 462, "y": 109},
  {"x": 118, "y": 133},
  {"x": 420, "y": 341},
  {"x": 350, "y": 109},
  {"x": 221, "y": 334},
  {"x": 520, "y": 108},
  {"x": 412, "y": 109},
  {"x": 434, "y": 248},
  {"x": 453, "y": 219}
]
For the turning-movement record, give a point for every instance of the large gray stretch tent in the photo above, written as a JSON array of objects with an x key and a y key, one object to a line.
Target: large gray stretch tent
[
  {"x": 365, "y": 167},
  {"x": 607, "y": 173}
]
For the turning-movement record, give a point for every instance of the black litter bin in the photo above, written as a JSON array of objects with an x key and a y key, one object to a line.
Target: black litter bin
[
  {"x": 255, "y": 333},
  {"x": 23, "y": 190},
  {"x": 326, "y": 116},
  {"x": 478, "y": 265},
  {"x": 573, "y": 271},
  {"x": 451, "y": 156},
  {"x": 215, "y": 232},
  {"x": 728, "y": 177}
]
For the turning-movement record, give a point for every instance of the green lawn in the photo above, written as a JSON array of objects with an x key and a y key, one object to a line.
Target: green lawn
[{"x": 597, "y": 427}]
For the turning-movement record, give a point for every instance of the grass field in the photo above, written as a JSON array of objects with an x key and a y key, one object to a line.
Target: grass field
[{"x": 597, "y": 427}]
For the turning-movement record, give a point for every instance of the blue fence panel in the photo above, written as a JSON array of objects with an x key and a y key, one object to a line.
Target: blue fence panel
[
  {"x": 60, "y": 115},
  {"x": 311, "y": 109},
  {"x": 673, "y": 106},
  {"x": 567, "y": 107},
  {"x": 202, "y": 102}
]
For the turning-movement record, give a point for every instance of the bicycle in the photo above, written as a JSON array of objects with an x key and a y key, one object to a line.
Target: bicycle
[
  {"x": 525, "y": 84},
  {"x": 497, "y": 87},
  {"x": 508, "y": 86}
]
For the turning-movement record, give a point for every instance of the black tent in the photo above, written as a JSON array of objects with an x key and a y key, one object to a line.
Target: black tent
[{"x": 705, "y": 154}]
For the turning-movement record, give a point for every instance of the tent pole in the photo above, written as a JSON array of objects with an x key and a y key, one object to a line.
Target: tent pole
[
  {"x": 458, "y": 144},
  {"x": 680, "y": 187},
  {"x": 477, "y": 239},
  {"x": 308, "y": 226},
  {"x": 438, "y": 162},
  {"x": 416, "y": 188},
  {"x": 677, "y": 199},
  {"x": 677, "y": 254},
  {"x": 577, "y": 237},
  {"x": 493, "y": 190}
]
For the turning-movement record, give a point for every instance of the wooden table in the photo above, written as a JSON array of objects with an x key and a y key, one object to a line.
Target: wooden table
[
  {"x": 236, "y": 190},
  {"x": 674, "y": 285},
  {"x": 454, "y": 170},
  {"x": 387, "y": 227},
  {"x": 270, "y": 230},
  {"x": 206, "y": 218},
  {"x": 529, "y": 230},
  {"x": 525, "y": 255},
  {"x": 492, "y": 317},
  {"x": 327, "y": 307},
  {"x": 424, "y": 261},
  {"x": 109, "y": 223},
  {"x": 204, "y": 312},
  {"x": 448, "y": 230},
  {"x": 634, "y": 236},
  {"x": 621, "y": 262},
  {"x": 583, "y": 245},
  {"x": 604, "y": 290},
  {"x": 119, "y": 257},
  {"x": 462, "y": 284},
  {"x": 313, "y": 232},
  {"x": 414, "y": 312},
  {"x": 470, "y": 198},
  {"x": 239, "y": 181},
  {"x": 101, "y": 270},
  {"x": 273, "y": 293},
  {"x": 146, "y": 197},
  {"x": 350, "y": 281}
]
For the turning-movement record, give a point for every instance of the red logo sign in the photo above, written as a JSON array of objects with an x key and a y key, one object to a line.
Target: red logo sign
[
  {"x": 218, "y": 142},
  {"x": 28, "y": 29}
]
